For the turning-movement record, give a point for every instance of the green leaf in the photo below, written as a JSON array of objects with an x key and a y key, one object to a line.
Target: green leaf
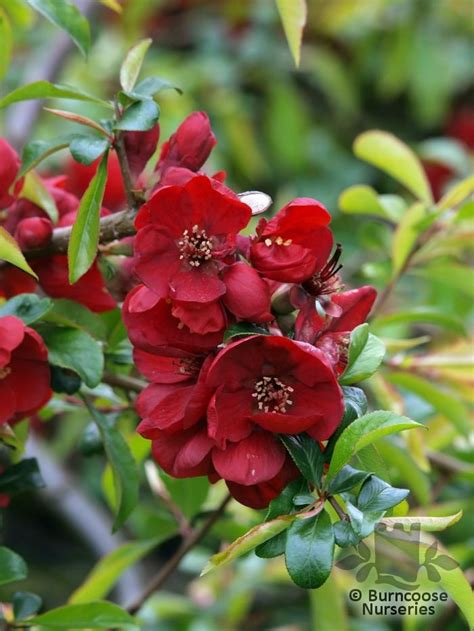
[
  {"x": 124, "y": 467},
  {"x": 346, "y": 479},
  {"x": 457, "y": 194},
  {"x": 293, "y": 15},
  {"x": 139, "y": 116},
  {"x": 108, "y": 570},
  {"x": 422, "y": 315},
  {"x": 391, "y": 155},
  {"x": 307, "y": 456},
  {"x": 355, "y": 403},
  {"x": 25, "y": 604},
  {"x": 67, "y": 16},
  {"x": 366, "y": 352},
  {"x": 12, "y": 566},
  {"x": 76, "y": 350},
  {"x": 27, "y": 307},
  {"x": 36, "y": 151},
  {"x": 309, "y": 550},
  {"x": 426, "y": 524},
  {"x": 243, "y": 329},
  {"x": 364, "y": 431},
  {"x": 20, "y": 477},
  {"x": 344, "y": 534},
  {"x": 74, "y": 315},
  {"x": 150, "y": 86},
  {"x": 47, "y": 90},
  {"x": 86, "y": 149},
  {"x": 10, "y": 252},
  {"x": 6, "y": 43},
  {"x": 405, "y": 236},
  {"x": 272, "y": 548},
  {"x": 328, "y": 607},
  {"x": 189, "y": 493},
  {"x": 84, "y": 241},
  {"x": 376, "y": 495},
  {"x": 249, "y": 541},
  {"x": 362, "y": 200},
  {"x": 363, "y": 522},
  {"x": 283, "y": 504},
  {"x": 132, "y": 64},
  {"x": 35, "y": 191},
  {"x": 447, "y": 404},
  {"x": 407, "y": 470},
  {"x": 92, "y": 615}
]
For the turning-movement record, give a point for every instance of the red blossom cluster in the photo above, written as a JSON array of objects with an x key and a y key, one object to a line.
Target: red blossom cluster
[{"x": 217, "y": 408}]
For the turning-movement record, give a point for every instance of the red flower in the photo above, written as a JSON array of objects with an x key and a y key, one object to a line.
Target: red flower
[
  {"x": 265, "y": 385},
  {"x": 14, "y": 281},
  {"x": 184, "y": 454},
  {"x": 190, "y": 145},
  {"x": 34, "y": 232},
  {"x": 9, "y": 166},
  {"x": 151, "y": 325},
  {"x": 24, "y": 370},
  {"x": 79, "y": 176},
  {"x": 294, "y": 244},
  {"x": 139, "y": 147},
  {"x": 186, "y": 235}
]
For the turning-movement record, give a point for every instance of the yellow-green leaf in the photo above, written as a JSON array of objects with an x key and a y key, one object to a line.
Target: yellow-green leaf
[
  {"x": 391, "y": 155},
  {"x": 132, "y": 64},
  {"x": 293, "y": 15},
  {"x": 249, "y": 541},
  {"x": 112, "y": 4},
  {"x": 405, "y": 236},
  {"x": 6, "y": 43},
  {"x": 363, "y": 200},
  {"x": 457, "y": 194},
  {"x": 427, "y": 524},
  {"x": 10, "y": 251},
  {"x": 35, "y": 191}
]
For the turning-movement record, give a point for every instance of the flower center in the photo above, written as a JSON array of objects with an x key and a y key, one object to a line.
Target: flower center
[
  {"x": 278, "y": 240},
  {"x": 272, "y": 395},
  {"x": 195, "y": 246},
  {"x": 327, "y": 280},
  {"x": 4, "y": 372}
]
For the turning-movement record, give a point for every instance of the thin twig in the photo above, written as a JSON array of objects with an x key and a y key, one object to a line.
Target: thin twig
[
  {"x": 123, "y": 381},
  {"x": 335, "y": 504},
  {"x": 170, "y": 566}
]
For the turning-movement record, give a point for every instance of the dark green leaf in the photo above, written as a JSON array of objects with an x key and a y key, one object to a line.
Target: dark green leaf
[
  {"x": 25, "y": 604},
  {"x": 95, "y": 615},
  {"x": 273, "y": 547},
  {"x": 303, "y": 499},
  {"x": 75, "y": 349},
  {"x": 91, "y": 441},
  {"x": 346, "y": 479},
  {"x": 151, "y": 86},
  {"x": 139, "y": 116},
  {"x": 363, "y": 522},
  {"x": 243, "y": 329},
  {"x": 189, "y": 493},
  {"x": 68, "y": 17},
  {"x": 84, "y": 241},
  {"x": 12, "y": 566},
  {"x": 124, "y": 468},
  {"x": 64, "y": 380},
  {"x": 377, "y": 495},
  {"x": 86, "y": 149},
  {"x": 309, "y": 550},
  {"x": 283, "y": 504},
  {"x": 306, "y": 454},
  {"x": 23, "y": 476},
  {"x": 36, "y": 151},
  {"x": 345, "y": 536},
  {"x": 47, "y": 90},
  {"x": 76, "y": 316},
  {"x": 27, "y": 307},
  {"x": 366, "y": 353},
  {"x": 355, "y": 403}
]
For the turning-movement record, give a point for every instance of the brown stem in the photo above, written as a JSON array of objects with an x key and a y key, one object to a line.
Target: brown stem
[
  {"x": 335, "y": 504},
  {"x": 123, "y": 381},
  {"x": 170, "y": 566}
]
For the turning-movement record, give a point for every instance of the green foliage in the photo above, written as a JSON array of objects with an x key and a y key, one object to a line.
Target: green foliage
[
  {"x": 86, "y": 149},
  {"x": 132, "y": 64},
  {"x": 139, "y": 116},
  {"x": 36, "y": 151},
  {"x": 293, "y": 17},
  {"x": 366, "y": 352},
  {"x": 12, "y": 566},
  {"x": 47, "y": 90},
  {"x": 10, "y": 252},
  {"x": 27, "y": 307},
  {"x": 20, "y": 477},
  {"x": 97, "y": 615},
  {"x": 307, "y": 456},
  {"x": 35, "y": 191}
]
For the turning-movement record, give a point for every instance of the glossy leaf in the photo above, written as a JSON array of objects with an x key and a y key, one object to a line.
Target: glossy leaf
[
  {"x": 283, "y": 504},
  {"x": 249, "y": 541},
  {"x": 139, "y": 116},
  {"x": 346, "y": 479},
  {"x": 36, "y": 151},
  {"x": 151, "y": 86},
  {"x": 20, "y": 477},
  {"x": 426, "y": 524},
  {"x": 95, "y": 615},
  {"x": 355, "y": 405},
  {"x": 27, "y": 307},
  {"x": 86, "y": 149},
  {"x": 293, "y": 15},
  {"x": 376, "y": 495},
  {"x": 25, "y": 604},
  {"x": 124, "y": 468},
  {"x": 306, "y": 454},
  {"x": 12, "y": 566},
  {"x": 364, "y": 431},
  {"x": 309, "y": 550},
  {"x": 366, "y": 352},
  {"x": 47, "y": 90},
  {"x": 10, "y": 252},
  {"x": 108, "y": 570},
  {"x": 363, "y": 522},
  {"x": 132, "y": 64},
  {"x": 35, "y": 191},
  {"x": 391, "y": 155},
  {"x": 76, "y": 316},
  {"x": 76, "y": 350},
  {"x": 344, "y": 535},
  {"x": 84, "y": 241},
  {"x": 67, "y": 16}
]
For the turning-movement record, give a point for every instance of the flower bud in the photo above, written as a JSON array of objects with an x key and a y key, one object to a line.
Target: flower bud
[
  {"x": 190, "y": 146},
  {"x": 34, "y": 232},
  {"x": 139, "y": 147}
]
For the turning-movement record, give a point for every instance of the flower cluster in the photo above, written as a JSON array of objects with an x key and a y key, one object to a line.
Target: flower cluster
[{"x": 216, "y": 404}]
